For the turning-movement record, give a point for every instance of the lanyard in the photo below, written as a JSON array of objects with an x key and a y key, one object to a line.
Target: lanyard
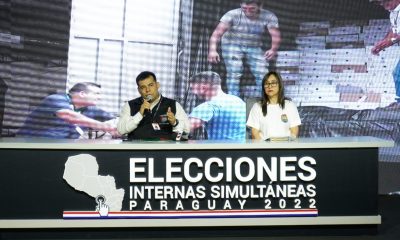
[{"x": 155, "y": 113}]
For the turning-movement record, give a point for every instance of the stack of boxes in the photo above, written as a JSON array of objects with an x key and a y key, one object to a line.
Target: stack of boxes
[
  {"x": 333, "y": 65},
  {"x": 374, "y": 31}
]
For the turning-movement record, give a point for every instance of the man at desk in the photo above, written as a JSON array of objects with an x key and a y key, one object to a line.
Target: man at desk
[
  {"x": 152, "y": 116},
  {"x": 68, "y": 115}
]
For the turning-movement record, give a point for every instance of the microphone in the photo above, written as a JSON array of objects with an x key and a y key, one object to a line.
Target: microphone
[
  {"x": 149, "y": 98},
  {"x": 147, "y": 111}
]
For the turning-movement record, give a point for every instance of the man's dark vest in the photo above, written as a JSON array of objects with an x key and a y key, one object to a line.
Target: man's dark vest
[{"x": 145, "y": 128}]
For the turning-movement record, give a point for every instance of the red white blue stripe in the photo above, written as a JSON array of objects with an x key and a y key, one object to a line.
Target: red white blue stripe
[{"x": 193, "y": 214}]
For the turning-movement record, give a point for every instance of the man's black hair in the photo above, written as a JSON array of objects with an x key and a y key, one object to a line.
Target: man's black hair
[
  {"x": 83, "y": 87},
  {"x": 143, "y": 75},
  {"x": 258, "y": 2},
  {"x": 206, "y": 77}
]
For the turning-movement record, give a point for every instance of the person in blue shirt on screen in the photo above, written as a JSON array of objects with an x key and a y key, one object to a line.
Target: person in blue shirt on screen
[
  {"x": 223, "y": 115},
  {"x": 68, "y": 115}
]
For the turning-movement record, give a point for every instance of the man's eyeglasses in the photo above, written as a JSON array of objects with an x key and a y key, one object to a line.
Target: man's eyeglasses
[{"x": 270, "y": 84}]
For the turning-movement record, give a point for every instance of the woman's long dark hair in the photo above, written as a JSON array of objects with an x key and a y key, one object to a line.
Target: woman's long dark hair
[{"x": 281, "y": 93}]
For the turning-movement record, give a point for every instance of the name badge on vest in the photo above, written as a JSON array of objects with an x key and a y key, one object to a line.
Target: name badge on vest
[
  {"x": 156, "y": 127},
  {"x": 284, "y": 118}
]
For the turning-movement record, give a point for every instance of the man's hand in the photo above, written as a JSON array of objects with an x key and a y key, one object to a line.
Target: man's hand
[
  {"x": 112, "y": 129},
  {"x": 171, "y": 117},
  {"x": 270, "y": 54},
  {"x": 108, "y": 127},
  {"x": 379, "y": 46},
  {"x": 213, "y": 57},
  {"x": 145, "y": 105},
  {"x": 81, "y": 120},
  {"x": 195, "y": 123}
]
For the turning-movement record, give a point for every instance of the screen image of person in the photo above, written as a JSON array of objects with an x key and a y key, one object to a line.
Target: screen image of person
[
  {"x": 391, "y": 38},
  {"x": 224, "y": 115},
  {"x": 274, "y": 116},
  {"x": 240, "y": 32},
  {"x": 152, "y": 116},
  {"x": 68, "y": 115}
]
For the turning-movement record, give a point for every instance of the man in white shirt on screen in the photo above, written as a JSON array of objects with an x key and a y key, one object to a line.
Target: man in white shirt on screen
[
  {"x": 391, "y": 38},
  {"x": 240, "y": 32}
]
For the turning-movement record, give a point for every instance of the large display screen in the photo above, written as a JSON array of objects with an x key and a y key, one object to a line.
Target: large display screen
[{"x": 325, "y": 51}]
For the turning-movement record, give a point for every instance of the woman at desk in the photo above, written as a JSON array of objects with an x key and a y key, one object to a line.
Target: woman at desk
[{"x": 274, "y": 116}]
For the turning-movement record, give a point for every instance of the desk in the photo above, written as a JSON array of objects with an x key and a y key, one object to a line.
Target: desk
[{"x": 307, "y": 182}]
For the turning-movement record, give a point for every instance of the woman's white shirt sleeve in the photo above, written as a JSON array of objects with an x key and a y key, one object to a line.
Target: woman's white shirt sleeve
[
  {"x": 254, "y": 118},
  {"x": 294, "y": 117}
]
